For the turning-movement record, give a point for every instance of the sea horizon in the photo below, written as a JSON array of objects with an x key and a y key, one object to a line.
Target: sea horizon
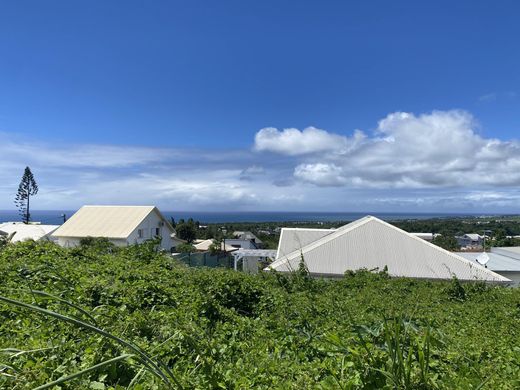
[{"x": 55, "y": 217}]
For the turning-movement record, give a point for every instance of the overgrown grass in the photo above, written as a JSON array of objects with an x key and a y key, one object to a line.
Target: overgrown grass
[{"x": 100, "y": 317}]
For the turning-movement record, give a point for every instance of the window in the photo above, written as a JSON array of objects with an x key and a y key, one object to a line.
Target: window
[
  {"x": 156, "y": 232},
  {"x": 140, "y": 233}
]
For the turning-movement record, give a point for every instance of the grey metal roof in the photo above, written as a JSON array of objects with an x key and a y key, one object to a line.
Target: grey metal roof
[
  {"x": 497, "y": 262},
  {"x": 270, "y": 253},
  {"x": 510, "y": 251},
  {"x": 372, "y": 243},
  {"x": 292, "y": 239}
]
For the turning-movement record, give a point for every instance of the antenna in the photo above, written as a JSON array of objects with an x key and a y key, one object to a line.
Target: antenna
[{"x": 483, "y": 258}]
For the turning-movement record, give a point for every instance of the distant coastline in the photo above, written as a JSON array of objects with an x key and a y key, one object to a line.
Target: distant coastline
[{"x": 54, "y": 217}]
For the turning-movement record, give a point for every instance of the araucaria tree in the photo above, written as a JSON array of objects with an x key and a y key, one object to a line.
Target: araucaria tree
[{"x": 26, "y": 189}]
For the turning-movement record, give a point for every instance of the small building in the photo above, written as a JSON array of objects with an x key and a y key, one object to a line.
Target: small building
[
  {"x": 470, "y": 240},
  {"x": 370, "y": 243},
  {"x": 204, "y": 246},
  {"x": 426, "y": 236},
  {"x": 176, "y": 241},
  {"x": 244, "y": 240},
  {"x": 502, "y": 260},
  {"x": 19, "y": 231},
  {"x": 122, "y": 225},
  {"x": 252, "y": 260}
]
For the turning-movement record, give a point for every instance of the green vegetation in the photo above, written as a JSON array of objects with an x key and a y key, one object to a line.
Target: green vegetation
[
  {"x": 187, "y": 230},
  {"x": 100, "y": 317}
]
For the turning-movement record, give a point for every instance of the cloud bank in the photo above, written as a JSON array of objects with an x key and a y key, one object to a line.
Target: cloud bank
[
  {"x": 438, "y": 161},
  {"x": 441, "y": 149}
]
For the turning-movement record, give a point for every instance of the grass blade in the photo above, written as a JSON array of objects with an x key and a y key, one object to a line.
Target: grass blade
[
  {"x": 79, "y": 373},
  {"x": 143, "y": 357}
]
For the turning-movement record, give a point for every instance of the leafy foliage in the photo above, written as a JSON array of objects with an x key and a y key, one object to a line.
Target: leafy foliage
[
  {"x": 185, "y": 248},
  {"x": 215, "y": 328},
  {"x": 186, "y": 230}
]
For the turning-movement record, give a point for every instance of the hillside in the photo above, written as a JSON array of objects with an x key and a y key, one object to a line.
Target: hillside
[{"x": 215, "y": 328}]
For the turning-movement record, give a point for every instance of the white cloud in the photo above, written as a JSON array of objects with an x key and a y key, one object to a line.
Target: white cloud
[
  {"x": 436, "y": 161},
  {"x": 439, "y": 149},
  {"x": 320, "y": 174},
  {"x": 294, "y": 142}
]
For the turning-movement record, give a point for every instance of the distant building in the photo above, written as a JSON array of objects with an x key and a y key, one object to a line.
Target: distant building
[
  {"x": 244, "y": 240},
  {"x": 205, "y": 245},
  {"x": 471, "y": 240},
  {"x": 122, "y": 225},
  {"x": 504, "y": 261},
  {"x": 426, "y": 236},
  {"x": 20, "y": 231},
  {"x": 370, "y": 243}
]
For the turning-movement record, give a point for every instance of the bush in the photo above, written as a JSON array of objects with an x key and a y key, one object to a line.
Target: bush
[{"x": 216, "y": 328}]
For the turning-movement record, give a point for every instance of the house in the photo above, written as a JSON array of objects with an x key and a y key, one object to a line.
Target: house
[
  {"x": 204, "y": 246},
  {"x": 470, "y": 240},
  {"x": 370, "y": 243},
  {"x": 176, "y": 241},
  {"x": 122, "y": 225},
  {"x": 504, "y": 261},
  {"x": 20, "y": 231},
  {"x": 244, "y": 240}
]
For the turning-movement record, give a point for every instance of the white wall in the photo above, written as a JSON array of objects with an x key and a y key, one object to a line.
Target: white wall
[
  {"x": 71, "y": 242},
  {"x": 149, "y": 223}
]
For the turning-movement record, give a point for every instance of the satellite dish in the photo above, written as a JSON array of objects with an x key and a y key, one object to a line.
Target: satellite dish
[{"x": 483, "y": 258}]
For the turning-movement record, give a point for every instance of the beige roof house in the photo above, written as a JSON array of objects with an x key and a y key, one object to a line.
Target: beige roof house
[
  {"x": 371, "y": 243},
  {"x": 123, "y": 225}
]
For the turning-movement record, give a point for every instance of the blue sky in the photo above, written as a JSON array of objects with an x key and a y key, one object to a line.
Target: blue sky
[{"x": 271, "y": 105}]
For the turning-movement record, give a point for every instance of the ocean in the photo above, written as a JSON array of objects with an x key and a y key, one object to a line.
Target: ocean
[{"x": 55, "y": 217}]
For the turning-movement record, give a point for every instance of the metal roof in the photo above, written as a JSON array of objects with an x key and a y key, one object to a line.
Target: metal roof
[
  {"x": 497, "y": 261},
  {"x": 270, "y": 253},
  {"x": 372, "y": 243},
  {"x": 106, "y": 221},
  {"x": 292, "y": 239},
  {"x": 205, "y": 245},
  {"x": 510, "y": 251},
  {"x": 25, "y": 232}
]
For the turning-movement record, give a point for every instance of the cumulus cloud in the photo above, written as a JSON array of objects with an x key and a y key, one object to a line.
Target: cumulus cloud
[
  {"x": 294, "y": 142},
  {"x": 320, "y": 174},
  {"x": 438, "y": 149},
  {"x": 437, "y": 161}
]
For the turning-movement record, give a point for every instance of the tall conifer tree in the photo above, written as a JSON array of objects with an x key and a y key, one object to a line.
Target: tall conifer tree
[{"x": 26, "y": 189}]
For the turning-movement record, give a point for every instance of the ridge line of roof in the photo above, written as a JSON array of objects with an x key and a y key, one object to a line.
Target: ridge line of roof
[
  {"x": 320, "y": 241},
  {"x": 360, "y": 222}
]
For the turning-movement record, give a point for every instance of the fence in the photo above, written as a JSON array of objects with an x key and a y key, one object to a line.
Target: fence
[{"x": 205, "y": 259}]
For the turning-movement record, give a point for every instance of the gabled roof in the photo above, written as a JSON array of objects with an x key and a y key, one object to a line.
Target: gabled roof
[
  {"x": 292, "y": 239},
  {"x": 107, "y": 221},
  {"x": 372, "y": 243},
  {"x": 246, "y": 235},
  {"x": 23, "y": 232}
]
